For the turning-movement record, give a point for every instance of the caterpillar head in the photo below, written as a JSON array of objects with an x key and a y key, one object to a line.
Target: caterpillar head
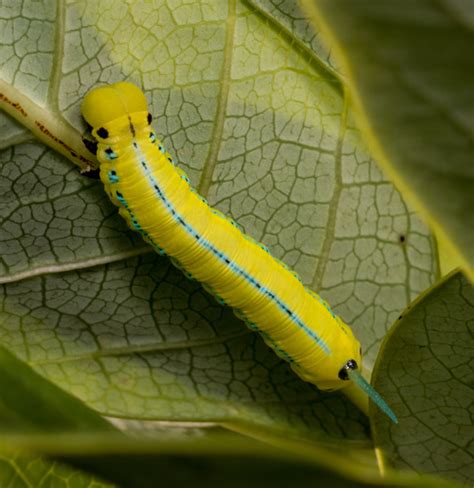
[{"x": 105, "y": 104}]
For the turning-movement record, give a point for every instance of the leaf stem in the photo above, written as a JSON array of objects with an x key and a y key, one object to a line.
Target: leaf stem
[{"x": 46, "y": 125}]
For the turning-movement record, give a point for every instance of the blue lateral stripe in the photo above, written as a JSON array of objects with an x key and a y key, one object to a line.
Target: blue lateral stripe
[
  {"x": 137, "y": 225},
  {"x": 222, "y": 257}
]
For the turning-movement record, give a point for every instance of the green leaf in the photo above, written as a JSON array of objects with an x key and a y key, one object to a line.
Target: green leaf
[
  {"x": 410, "y": 70},
  {"x": 264, "y": 127},
  {"x": 426, "y": 373},
  {"x": 270, "y": 142}
]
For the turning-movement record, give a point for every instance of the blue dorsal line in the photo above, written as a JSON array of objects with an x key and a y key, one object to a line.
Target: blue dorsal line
[
  {"x": 143, "y": 164},
  {"x": 357, "y": 378}
]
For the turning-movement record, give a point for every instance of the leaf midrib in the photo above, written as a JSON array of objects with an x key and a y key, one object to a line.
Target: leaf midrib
[{"x": 152, "y": 347}]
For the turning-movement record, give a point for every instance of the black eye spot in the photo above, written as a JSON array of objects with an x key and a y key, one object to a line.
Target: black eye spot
[
  {"x": 103, "y": 133},
  {"x": 343, "y": 373},
  {"x": 149, "y": 118}
]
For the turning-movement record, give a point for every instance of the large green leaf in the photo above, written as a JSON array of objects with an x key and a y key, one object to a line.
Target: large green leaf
[
  {"x": 410, "y": 68},
  {"x": 286, "y": 139},
  {"x": 264, "y": 127},
  {"x": 426, "y": 372}
]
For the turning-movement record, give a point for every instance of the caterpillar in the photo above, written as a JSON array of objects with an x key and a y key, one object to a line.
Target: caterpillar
[{"x": 156, "y": 199}]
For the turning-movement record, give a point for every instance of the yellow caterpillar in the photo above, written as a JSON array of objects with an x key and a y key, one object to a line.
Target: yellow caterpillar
[{"x": 155, "y": 199}]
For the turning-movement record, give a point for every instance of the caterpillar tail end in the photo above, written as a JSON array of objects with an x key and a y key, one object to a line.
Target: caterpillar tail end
[
  {"x": 356, "y": 377},
  {"x": 351, "y": 372}
]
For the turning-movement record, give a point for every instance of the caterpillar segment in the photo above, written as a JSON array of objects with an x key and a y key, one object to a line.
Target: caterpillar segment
[{"x": 156, "y": 200}]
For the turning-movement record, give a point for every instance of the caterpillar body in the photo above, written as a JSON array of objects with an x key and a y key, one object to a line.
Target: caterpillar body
[{"x": 156, "y": 200}]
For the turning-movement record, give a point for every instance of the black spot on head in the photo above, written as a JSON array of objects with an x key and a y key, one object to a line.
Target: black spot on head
[
  {"x": 103, "y": 133},
  {"x": 149, "y": 118}
]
